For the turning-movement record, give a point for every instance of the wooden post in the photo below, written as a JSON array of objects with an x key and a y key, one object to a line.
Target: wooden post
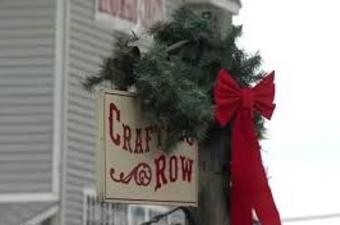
[
  {"x": 214, "y": 180},
  {"x": 214, "y": 156}
]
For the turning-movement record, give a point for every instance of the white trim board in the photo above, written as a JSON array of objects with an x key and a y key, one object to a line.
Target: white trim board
[
  {"x": 63, "y": 13},
  {"x": 58, "y": 102},
  {"x": 28, "y": 197}
]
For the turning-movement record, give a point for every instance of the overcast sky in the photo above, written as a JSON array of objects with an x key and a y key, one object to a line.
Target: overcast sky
[{"x": 300, "y": 40}]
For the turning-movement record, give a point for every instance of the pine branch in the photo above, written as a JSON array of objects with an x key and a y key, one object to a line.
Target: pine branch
[
  {"x": 177, "y": 45},
  {"x": 176, "y": 76}
]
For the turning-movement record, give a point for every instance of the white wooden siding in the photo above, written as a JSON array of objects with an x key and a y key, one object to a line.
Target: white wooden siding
[
  {"x": 87, "y": 44},
  {"x": 89, "y": 41},
  {"x": 26, "y": 95}
]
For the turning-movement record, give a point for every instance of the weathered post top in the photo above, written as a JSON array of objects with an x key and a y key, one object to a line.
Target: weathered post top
[{"x": 219, "y": 11}]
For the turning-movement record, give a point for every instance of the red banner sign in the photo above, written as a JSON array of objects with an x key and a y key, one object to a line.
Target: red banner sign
[{"x": 126, "y": 14}]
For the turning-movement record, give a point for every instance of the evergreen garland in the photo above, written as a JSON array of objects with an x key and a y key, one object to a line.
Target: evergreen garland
[{"x": 176, "y": 76}]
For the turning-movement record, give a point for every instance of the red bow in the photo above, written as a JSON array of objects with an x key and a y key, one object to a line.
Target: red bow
[{"x": 250, "y": 189}]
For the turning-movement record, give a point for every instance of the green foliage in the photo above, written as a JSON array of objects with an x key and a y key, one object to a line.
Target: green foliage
[
  {"x": 176, "y": 76},
  {"x": 119, "y": 68}
]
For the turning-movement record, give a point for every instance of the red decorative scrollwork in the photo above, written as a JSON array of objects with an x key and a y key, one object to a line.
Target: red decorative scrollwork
[{"x": 141, "y": 174}]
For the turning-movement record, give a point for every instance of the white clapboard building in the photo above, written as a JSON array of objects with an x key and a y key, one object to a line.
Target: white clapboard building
[{"x": 47, "y": 120}]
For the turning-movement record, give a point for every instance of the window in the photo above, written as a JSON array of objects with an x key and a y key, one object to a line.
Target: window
[
  {"x": 98, "y": 213},
  {"x": 177, "y": 218},
  {"x": 137, "y": 214}
]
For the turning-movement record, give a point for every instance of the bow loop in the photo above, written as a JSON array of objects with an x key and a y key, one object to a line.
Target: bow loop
[
  {"x": 229, "y": 97},
  {"x": 264, "y": 94}
]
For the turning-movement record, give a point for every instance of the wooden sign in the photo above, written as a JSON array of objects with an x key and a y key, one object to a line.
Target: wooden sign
[
  {"x": 131, "y": 166},
  {"x": 125, "y": 15}
]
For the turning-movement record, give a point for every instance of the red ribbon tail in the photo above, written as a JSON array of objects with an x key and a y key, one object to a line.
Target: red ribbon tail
[
  {"x": 241, "y": 212},
  {"x": 250, "y": 189},
  {"x": 264, "y": 205}
]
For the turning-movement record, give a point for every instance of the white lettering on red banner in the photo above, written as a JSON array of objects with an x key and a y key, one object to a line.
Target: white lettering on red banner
[{"x": 143, "y": 13}]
